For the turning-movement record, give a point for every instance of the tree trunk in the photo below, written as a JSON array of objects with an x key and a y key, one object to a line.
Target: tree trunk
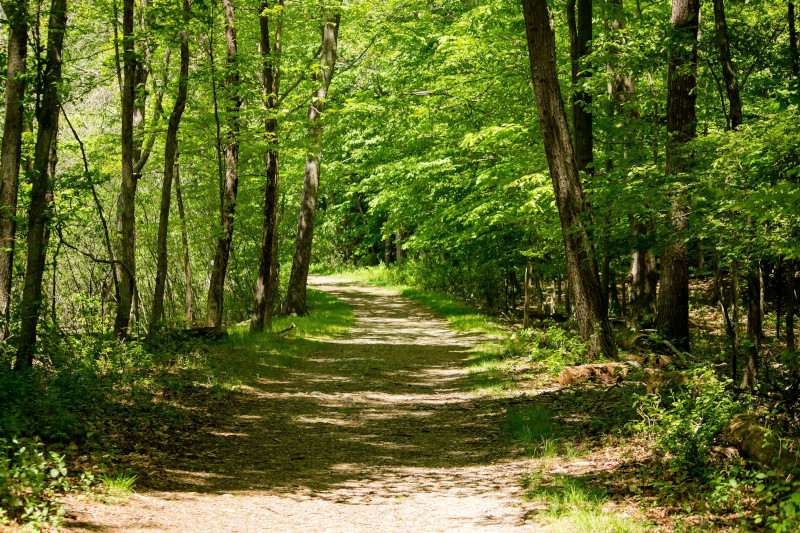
[
  {"x": 580, "y": 35},
  {"x": 267, "y": 281},
  {"x": 754, "y": 326},
  {"x": 170, "y": 164},
  {"x": 126, "y": 205},
  {"x": 217, "y": 284},
  {"x": 526, "y": 317},
  {"x": 399, "y": 253},
  {"x": 728, "y": 70},
  {"x": 295, "y": 302},
  {"x": 791, "y": 303},
  {"x": 793, "y": 41},
  {"x": 187, "y": 265},
  {"x": 17, "y": 50},
  {"x": 41, "y": 184},
  {"x": 582, "y": 270},
  {"x": 643, "y": 276},
  {"x": 673, "y": 297}
]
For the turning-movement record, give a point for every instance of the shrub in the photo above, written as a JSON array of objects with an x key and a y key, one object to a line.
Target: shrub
[
  {"x": 31, "y": 480},
  {"x": 685, "y": 420}
]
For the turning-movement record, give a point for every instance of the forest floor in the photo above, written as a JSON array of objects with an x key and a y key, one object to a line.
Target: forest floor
[{"x": 383, "y": 429}]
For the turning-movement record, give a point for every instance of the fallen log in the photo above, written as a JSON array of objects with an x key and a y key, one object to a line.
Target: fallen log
[
  {"x": 204, "y": 332},
  {"x": 290, "y": 328},
  {"x": 602, "y": 372},
  {"x": 755, "y": 442}
]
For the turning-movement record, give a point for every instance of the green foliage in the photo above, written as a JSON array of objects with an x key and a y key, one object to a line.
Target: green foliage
[
  {"x": 31, "y": 480},
  {"x": 117, "y": 484},
  {"x": 570, "y": 506},
  {"x": 534, "y": 428},
  {"x": 685, "y": 421},
  {"x": 554, "y": 348}
]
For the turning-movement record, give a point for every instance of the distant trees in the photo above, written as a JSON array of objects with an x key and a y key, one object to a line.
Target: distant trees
[{"x": 676, "y": 163}]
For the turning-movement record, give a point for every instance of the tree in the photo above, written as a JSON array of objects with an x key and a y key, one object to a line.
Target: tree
[
  {"x": 267, "y": 280},
  {"x": 582, "y": 270},
  {"x": 728, "y": 70},
  {"x": 126, "y": 207},
  {"x": 216, "y": 287},
  {"x": 17, "y": 51},
  {"x": 41, "y": 183},
  {"x": 580, "y": 37},
  {"x": 170, "y": 164},
  {"x": 673, "y": 296},
  {"x": 295, "y": 302}
]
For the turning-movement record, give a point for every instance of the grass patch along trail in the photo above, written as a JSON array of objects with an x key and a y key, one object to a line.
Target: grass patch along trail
[{"x": 379, "y": 429}]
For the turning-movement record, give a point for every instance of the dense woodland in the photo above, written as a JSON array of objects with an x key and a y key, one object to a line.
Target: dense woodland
[{"x": 617, "y": 166}]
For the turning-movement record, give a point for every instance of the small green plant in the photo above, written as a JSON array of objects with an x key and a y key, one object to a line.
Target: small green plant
[
  {"x": 31, "y": 482},
  {"x": 685, "y": 421},
  {"x": 533, "y": 427},
  {"x": 118, "y": 485},
  {"x": 573, "y": 507}
]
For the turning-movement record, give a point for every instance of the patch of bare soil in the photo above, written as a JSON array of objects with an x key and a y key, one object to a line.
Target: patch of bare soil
[{"x": 377, "y": 431}]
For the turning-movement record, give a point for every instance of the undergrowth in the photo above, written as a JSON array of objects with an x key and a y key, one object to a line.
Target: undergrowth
[{"x": 93, "y": 400}]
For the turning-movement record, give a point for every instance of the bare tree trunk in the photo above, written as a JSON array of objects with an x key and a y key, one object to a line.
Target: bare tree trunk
[
  {"x": 126, "y": 205},
  {"x": 170, "y": 164},
  {"x": 793, "y": 40},
  {"x": 17, "y": 51},
  {"x": 266, "y": 283},
  {"x": 187, "y": 265},
  {"x": 526, "y": 317},
  {"x": 582, "y": 270},
  {"x": 643, "y": 276},
  {"x": 216, "y": 288},
  {"x": 754, "y": 326},
  {"x": 728, "y": 70},
  {"x": 41, "y": 182},
  {"x": 400, "y": 254},
  {"x": 673, "y": 298},
  {"x": 791, "y": 303},
  {"x": 295, "y": 302},
  {"x": 580, "y": 35}
]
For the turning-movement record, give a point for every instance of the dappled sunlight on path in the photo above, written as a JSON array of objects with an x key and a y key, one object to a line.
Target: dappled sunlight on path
[{"x": 378, "y": 430}]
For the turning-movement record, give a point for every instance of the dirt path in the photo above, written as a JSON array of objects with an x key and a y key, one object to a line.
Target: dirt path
[{"x": 376, "y": 432}]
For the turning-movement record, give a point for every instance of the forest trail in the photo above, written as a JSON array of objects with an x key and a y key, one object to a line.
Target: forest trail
[{"x": 378, "y": 431}]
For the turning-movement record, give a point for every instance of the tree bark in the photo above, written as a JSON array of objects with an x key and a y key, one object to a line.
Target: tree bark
[
  {"x": 526, "y": 314},
  {"x": 791, "y": 303},
  {"x": 267, "y": 281},
  {"x": 793, "y": 41},
  {"x": 728, "y": 70},
  {"x": 187, "y": 265},
  {"x": 41, "y": 184},
  {"x": 11, "y": 151},
  {"x": 126, "y": 205},
  {"x": 582, "y": 270},
  {"x": 170, "y": 151},
  {"x": 754, "y": 327},
  {"x": 216, "y": 288},
  {"x": 673, "y": 297},
  {"x": 295, "y": 302},
  {"x": 580, "y": 35}
]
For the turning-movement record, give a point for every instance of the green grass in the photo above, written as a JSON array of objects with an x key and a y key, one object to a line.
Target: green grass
[
  {"x": 242, "y": 356},
  {"x": 117, "y": 485},
  {"x": 571, "y": 507},
  {"x": 533, "y": 427}
]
